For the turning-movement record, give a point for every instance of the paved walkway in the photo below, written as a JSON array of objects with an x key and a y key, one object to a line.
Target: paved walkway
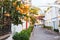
[
  {"x": 43, "y": 34},
  {"x": 10, "y": 38},
  {"x": 4, "y": 37}
]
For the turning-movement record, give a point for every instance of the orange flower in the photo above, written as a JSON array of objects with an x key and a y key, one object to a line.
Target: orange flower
[
  {"x": 26, "y": 6},
  {"x": 17, "y": 8},
  {"x": 14, "y": 3},
  {"x": 20, "y": 10},
  {"x": 26, "y": 10},
  {"x": 7, "y": 14}
]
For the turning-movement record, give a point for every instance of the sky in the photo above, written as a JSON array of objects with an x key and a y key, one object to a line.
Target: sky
[
  {"x": 41, "y": 2},
  {"x": 37, "y": 3}
]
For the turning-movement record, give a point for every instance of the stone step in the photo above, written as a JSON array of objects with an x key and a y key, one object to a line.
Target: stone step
[{"x": 4, "y": 37}]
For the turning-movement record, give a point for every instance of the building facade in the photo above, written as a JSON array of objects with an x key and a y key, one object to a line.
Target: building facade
[{"x": 52, "y": 18}]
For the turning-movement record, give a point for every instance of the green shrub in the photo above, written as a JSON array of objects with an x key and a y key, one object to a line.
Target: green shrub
[
  {"x": 56, "y": 30},
  {"x": 21, "y": 36},
  {"x": 16, "y": 36},
  {"x": 44, "y": 26},
  {"x": 48, "y": 27},
  {"x": 59, "y": 25},
  {"x": 24, "y": 34}
]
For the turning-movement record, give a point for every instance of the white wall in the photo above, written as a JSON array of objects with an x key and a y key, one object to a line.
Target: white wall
[
  {"x": 51, "y": 19},
  {"x": 19, "y": 27},
  {"x": 48, "y": 18}
]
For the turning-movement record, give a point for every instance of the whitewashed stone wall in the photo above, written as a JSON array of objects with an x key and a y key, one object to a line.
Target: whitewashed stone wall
[{"x": 19, "y": 27}]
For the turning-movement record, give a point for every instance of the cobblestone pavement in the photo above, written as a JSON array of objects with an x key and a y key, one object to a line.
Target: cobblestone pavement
[{"x": 43, "y": 34}]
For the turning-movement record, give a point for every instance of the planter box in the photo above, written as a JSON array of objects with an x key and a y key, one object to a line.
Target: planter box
[
  {"x": 16, "y": 28},
  {"x": 19, "y": 27},
  {"x": 59, "y": 29}
]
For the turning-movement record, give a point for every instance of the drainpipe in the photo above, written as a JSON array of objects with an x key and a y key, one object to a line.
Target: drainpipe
[{"x": 26, "y": 24}]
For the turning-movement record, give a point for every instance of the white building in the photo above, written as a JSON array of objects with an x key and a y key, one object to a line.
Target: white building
[{"x": 52, "y": 17}]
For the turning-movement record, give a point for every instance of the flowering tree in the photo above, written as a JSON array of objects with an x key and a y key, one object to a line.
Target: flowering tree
[
  {"x": 33, "y": 11},
  {"x": 16, "y": 10}
]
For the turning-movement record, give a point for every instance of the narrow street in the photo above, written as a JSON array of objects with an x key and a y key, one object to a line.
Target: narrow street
[
  {"x": 29, "y": 19},
  {"x": 43, "y": 34}
]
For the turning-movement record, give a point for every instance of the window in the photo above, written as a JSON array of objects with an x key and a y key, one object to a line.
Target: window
[{"x": 59, "y": 11}]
